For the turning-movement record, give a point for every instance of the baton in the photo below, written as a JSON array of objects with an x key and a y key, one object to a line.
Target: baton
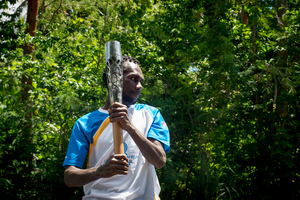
[{"x": 114, "y": 72}]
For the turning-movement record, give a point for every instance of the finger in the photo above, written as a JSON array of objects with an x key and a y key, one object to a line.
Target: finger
[
  {"x": 121, "y": 118},
  {"x": 116, "y": 113},
  {"x": 117, "y": 110},
  {"x": 121, "y": 157},
  {"x": 115, "y": 105},
  {"x": 123, "y": 166},
  {"x": 121, "y": 172},
  {"x": 116, "y": 162},
  {"x": 113, "y": 171}
]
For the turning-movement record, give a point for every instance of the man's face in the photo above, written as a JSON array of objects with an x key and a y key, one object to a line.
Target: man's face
[{"x": 132, "y": 83}]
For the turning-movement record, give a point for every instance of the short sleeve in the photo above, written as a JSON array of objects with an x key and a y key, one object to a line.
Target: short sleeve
[
  {"x": 160, "y": 131},
  {"x": 78, "y": 147}
]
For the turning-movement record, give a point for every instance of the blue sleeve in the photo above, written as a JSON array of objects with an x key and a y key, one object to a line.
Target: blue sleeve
[
  {"x": 159, "y": 131},
  {"x": 78, "y": 146}
]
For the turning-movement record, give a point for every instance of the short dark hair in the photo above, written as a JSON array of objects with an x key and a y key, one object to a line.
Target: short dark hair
[
  {"x": 129, "y": 59},
  {"x": 124, "y": 60}
]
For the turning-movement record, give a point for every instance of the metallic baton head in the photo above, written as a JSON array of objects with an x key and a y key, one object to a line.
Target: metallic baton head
[{"x": 114, "y": 70}]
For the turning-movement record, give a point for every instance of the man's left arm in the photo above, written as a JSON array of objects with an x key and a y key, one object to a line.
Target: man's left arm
[{"x": 151, "y": 149}]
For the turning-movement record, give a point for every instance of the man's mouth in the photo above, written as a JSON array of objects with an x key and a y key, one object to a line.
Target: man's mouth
[{"x": 135, "y": 94}]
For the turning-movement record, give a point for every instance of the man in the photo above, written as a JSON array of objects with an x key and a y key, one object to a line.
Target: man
[{"x": 146, "y": 141}]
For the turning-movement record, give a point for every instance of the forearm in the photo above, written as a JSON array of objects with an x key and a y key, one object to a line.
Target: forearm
[
  {"x": 75, "y": 177},
  {"x": 151, "y": 149},
  {"x": 116, "y": 164}
]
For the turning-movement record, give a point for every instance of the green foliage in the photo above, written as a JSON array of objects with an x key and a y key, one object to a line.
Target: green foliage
[{"x": 228, "y": 91}]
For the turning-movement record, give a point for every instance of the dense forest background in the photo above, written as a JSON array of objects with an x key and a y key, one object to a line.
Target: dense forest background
[{"x": 225, "y": 75}]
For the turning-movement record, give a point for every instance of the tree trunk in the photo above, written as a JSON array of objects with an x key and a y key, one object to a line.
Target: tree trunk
[
  {"x": 244, "y": 16},
  {"x": 281, "y": 9},
  {"x": 282, "y": 56},
  {"x": 32, "y": 14},
  {"x": 253, "y": 38}
]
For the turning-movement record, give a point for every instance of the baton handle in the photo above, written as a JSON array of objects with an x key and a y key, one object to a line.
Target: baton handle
[{"x": 118, "y": 138}]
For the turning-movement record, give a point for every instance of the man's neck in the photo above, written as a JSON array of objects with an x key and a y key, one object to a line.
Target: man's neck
[{"x": 107, "y": 104}]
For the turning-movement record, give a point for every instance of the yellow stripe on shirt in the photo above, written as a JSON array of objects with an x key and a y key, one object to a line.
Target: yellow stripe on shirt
[
  {"x": 97, "y": 135},
  {"x": 156, "y": 197},
  {"x": 100, "y": 130}
]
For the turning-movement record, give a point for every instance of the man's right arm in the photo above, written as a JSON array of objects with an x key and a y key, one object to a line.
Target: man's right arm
[{"x": 76, "y": 177}]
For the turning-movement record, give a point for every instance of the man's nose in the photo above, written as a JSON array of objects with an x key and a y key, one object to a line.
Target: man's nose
[{"x": 139, "y": 86}]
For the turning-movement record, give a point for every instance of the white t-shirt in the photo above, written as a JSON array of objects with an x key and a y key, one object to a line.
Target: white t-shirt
[{"x": 92, "y": 136}]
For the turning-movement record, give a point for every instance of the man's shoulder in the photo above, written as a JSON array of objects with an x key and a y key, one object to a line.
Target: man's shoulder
[
  {"x": 93, "y": 114},
  {"x": 150, "y": 109},
  {"x": 139, "y": 106},
  {"x": 92, "y": 117}
]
